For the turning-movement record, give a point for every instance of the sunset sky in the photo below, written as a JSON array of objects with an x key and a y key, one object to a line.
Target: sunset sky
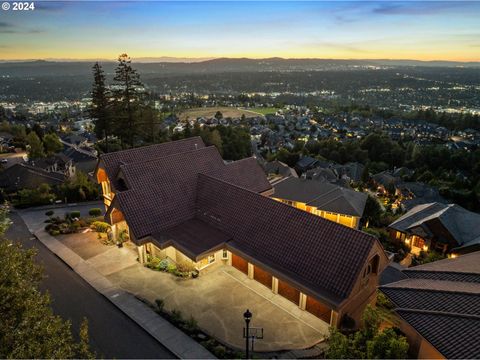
[{"x": 315, "y": 29}]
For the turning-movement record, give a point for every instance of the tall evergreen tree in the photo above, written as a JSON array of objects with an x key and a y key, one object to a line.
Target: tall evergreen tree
[
  {"x": 99, "y": 109},
  {"x": 126, "y": 95}
]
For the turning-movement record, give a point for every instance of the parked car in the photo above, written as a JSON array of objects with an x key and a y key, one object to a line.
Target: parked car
[{"x": 4, "y": 161}]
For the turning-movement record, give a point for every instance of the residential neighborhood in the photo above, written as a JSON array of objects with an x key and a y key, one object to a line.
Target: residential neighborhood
[{"x": 239, "y": 179}]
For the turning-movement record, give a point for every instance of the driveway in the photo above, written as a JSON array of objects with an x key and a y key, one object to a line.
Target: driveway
[{"x": 218, "y": 299}]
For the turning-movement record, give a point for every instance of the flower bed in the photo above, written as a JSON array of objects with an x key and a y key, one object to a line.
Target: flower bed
[{"x": 182, "y": 269}]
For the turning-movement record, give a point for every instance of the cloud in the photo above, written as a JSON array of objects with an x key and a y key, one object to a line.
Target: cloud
[
  {"x": 420, "y": 8},
  {"x": 49, "y": 6},
  {"x": 8, "y": 28}
]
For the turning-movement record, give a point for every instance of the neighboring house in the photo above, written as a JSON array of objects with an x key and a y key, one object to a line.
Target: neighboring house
[
  {"x": 305, "y": 163},
  {"x": 22, "y": 176},
  {"x": 447, "y": 228},
  {"x": 439, "y": 307},
  {"x": 332, "y": 202},
  {"x": 57, "y": 163},
  {"x": 384, "y": 180},
  {"x": 277, "y": 170},
  {"x": 352, "y": 170},
  {"x": 83, "y": 160},
  {"x": 417, "y": 193},
  {"x": 180, "y": 200}
]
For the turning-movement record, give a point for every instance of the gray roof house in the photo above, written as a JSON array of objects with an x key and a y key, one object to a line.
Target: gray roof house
[
  {"x": 322, "y": 198},
  {"x": 446, "y": 227}
]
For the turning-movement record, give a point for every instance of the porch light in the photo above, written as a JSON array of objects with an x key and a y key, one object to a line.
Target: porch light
[{"x": 425, "y": 247}]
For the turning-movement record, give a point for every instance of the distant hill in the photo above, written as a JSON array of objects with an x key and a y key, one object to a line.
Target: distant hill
[{"x": 171, "y": 67}]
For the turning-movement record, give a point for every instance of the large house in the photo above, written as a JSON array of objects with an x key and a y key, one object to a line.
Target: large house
[
  {"x": 332, "y": 202},
  {"x": 182, "y": 201},
  {"x": 446, "y": 228},
  {"x": 439, "y": 307}
]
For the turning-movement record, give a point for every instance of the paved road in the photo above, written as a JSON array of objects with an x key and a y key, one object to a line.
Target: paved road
[{"x": 112, "y": 333}]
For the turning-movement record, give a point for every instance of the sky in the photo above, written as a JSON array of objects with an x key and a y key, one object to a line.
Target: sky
[{"x": 445, "y": 30}]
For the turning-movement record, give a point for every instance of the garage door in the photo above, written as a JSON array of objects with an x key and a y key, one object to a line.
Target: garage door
[
  {"x": 240, "y": 263},
  {"x": 318, "y": 309},
  {"x": 288, "y": 291},
  {"x": 262, "y": 277}
]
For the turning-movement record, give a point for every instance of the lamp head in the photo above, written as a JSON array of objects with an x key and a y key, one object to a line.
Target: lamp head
[{"x": 247, "y": 315}]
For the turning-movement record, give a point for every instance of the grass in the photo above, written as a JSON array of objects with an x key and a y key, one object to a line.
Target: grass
[{"x": 264, "y": 110}]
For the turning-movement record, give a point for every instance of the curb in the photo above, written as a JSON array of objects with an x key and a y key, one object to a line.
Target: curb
[{"x": 173, "y": 339}]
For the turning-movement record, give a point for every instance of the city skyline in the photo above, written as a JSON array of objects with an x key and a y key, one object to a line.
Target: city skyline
[{"x": 205, "y": 30}]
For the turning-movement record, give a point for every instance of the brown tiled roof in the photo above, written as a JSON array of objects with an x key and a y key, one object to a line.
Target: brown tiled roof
[
  {"x": 113, "y": 160},
  {"x": 194, "y": 238},
  {"x": 162, "y": 191},
  {"x": 323, "y": 256}
]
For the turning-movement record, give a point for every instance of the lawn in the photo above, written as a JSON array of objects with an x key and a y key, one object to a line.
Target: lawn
[
  {"x": 209, "y": 112},
  {"x": 264, "y": 110}
]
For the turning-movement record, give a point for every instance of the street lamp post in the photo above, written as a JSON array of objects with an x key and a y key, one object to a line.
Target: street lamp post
[{"x": 247, "y": 315}]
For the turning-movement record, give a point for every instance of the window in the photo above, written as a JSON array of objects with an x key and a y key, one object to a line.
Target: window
[{"x": 224, "y": 254}]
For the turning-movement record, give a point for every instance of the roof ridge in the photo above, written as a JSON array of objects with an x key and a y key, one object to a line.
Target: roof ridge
[
  {"x": 123, "y": 165},
  {"x": 441, "y": 313},
  {"x": 150, "y": 146},
  {"x": 462, "y": 292},
  {"x": 412, "y": 269}
]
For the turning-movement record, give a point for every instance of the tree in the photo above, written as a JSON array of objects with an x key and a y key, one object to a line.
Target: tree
[
  {"x": 126, "y": 99},
  {"x": 218, "y": 115},
  {"x": 214, "y": 138},
  {"x": 29, "y": 329},
  {"x": 35, "y": 149},
  {"x": 387, "y": 345},
  {"x": 52, "y": 144},
  {"x": 79, "y": 188},
  {"x": 368, "y": 342},
  {"x": 99, "y": 110},
  {"x": 373, "y": 210}
]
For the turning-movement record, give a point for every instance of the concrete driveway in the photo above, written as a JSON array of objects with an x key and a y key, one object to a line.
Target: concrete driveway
[{"x": 218, "y": 299}]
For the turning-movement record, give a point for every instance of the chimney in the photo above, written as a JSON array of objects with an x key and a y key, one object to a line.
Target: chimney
[{"x": 196, "y": 146}]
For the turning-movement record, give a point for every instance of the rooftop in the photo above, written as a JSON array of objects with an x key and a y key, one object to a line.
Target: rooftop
[
  {"x": 441, "y": 301},
  {"x": 322, "y": 195}
]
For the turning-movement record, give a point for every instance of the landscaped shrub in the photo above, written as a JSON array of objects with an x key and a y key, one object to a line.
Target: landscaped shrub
[
  {"x": 191, "y": 325},
  {"x": 55, "y": 232},
  {"x": 100, "y": 226},
  {"x": 176, "y": 317},
  {"x": 153, "y": 262},
  {"x": 160, "y": 305},
  {"x": 171, "y": 268},
  {"x": 184, "y": 266},
  {"x": 219, "y": 351},
  {"x": 163, "y": 265},
  {"x": 95, "y": 212},
  {"x": 49, "y": 213},
  {"x": 74, "y": 214}
]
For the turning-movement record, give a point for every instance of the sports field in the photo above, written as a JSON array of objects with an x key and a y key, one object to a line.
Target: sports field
[{"x": 211, "y": 111}]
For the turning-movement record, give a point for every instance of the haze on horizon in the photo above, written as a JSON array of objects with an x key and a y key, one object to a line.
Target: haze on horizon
[{"x": 445, "y": 30}]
